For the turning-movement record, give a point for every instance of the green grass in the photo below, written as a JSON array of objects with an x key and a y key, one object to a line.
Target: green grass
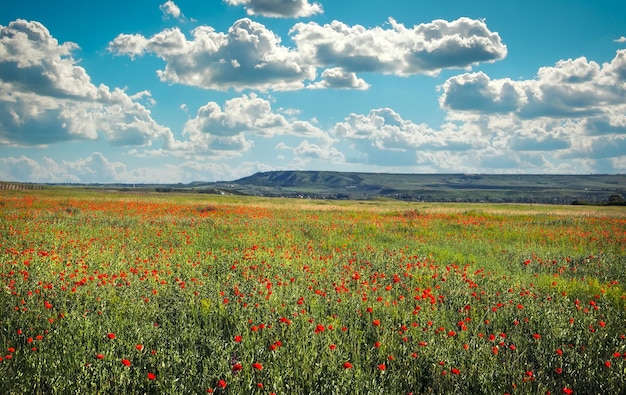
[{"x": 417, "y": 298}]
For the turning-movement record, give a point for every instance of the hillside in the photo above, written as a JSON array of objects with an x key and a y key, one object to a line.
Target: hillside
[
  {"x": 550, "y": 189},
  {"x": 561, "y": 189}
]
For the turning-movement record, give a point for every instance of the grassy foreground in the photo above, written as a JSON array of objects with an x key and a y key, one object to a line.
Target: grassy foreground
[{"x": 144, "y": 294}]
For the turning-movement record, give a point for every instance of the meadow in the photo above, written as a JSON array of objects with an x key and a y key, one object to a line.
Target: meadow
[{"x": 144, "y": 294}]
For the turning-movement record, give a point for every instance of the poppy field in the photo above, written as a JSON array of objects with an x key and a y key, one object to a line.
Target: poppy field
[{"x": 133, "y": 294}]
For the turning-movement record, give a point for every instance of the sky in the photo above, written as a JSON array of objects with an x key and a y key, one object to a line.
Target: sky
[{"x": 187, "y": 90}]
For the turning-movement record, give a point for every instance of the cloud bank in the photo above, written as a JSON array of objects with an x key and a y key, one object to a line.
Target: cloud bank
[
  {"x": 46, "y": 98},
  {"x": 250, "y": 56}
]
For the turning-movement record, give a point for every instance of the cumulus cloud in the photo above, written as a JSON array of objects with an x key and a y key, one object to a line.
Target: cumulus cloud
[
  {"x": 622, "y": 39},
  {"x": 570, "y": 89},
  {"x": 170, "y": 10},
  {"x": 424, "y": 49},
  {"x": 385, "y": 129},
  {"x": 339, "y": 79},
  {"x": 96, "y": 168},
  {"x": 571, "y": 114},
  {"x": 314, "y": 151},
  {"x": 228, "y": 130},
  {"x": 46, "y": 98},
  {"x": 251, "y": 56},
  {"x": 279, "y": 8},
  {"x": 247, "y": 56}
]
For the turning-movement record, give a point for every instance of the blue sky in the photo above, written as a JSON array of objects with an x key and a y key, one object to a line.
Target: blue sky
[{"x": 180, "y": 91}]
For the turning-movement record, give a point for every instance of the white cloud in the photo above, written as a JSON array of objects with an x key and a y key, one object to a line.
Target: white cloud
[
  {"x": 46, "y": 98},
  {"x": 424, "y": 49},
  {"x": 570, "y": 89},
  {"x": 385, "y": 130},
  {"x": 339, "y": 79},
  {"x": 251, "y": 56},
  {"x": 572, "y": 114},
  {"x": 279, "y": 8},
  {"x": 170, "y": 9},
  {"x": 96, "y": 168},
  {"x": 227, "y": 130},
  {"x": 622, "y": 39},
  {"x": 247, "y": 56},
  {"x": 306, "y": 150},
  {"x": 27, "y": 169}
]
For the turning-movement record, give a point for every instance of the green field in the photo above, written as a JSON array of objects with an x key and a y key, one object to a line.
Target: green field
[{"x": 118, "y": 293}]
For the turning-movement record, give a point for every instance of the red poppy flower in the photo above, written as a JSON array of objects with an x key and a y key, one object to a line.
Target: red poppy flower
[
  {"x": 139, "y": 347},
  {"x": 567, "y": 391},
  {"x": 238, "y": 339},
  {"x": 376, "y": 322},
  {"x": 347, "y": 365},
  {"x": 125, "y": 362},
  {"x": 100, "y": 356},
  {"x": 151, "y": 376},
  {"x": 221, "y": 384},
  {"x": 111, "y": 335},
  {"x": 455, "y": 371},
  {"x": 257, "y": 366},
  {"x": 382, "y": 366},
  {"x": 236, "y": 367}
]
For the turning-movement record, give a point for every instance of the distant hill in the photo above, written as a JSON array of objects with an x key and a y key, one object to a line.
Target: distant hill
[
  {"x": 550, "y": 189},
  {"x": 561, "y": 189}
]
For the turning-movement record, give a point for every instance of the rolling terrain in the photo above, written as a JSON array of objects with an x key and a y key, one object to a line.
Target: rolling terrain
[{"x": 546, "y": 189}]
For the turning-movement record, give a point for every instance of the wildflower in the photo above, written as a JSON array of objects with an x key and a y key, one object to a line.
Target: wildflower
[
  {"x": 111, "y": 335},
  {"x": 151, "y": 376},
  {"x": 125, "y": 362},
  {"x": 221, "y": 384},
  {"x": 567, "y": 391},
  {"x": 347, "y": 365},
  {"x": 257, "y": 366},
  {"x": 376, "y": 322},
  {"x": 332, "y": 347},
  {"x": 139, "y": 347},
  {"x": 238, "y": 339},
  {"x": 607, "y": 364},
  {"x": 536, "y": 336},
  {"x": 455, "y": 371},
  {"x": 100, "y": 356},
  {"x": 236, "y": 368},
  {"x": 558, "y": 370},
  {"x": 382, "y": 367}
]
